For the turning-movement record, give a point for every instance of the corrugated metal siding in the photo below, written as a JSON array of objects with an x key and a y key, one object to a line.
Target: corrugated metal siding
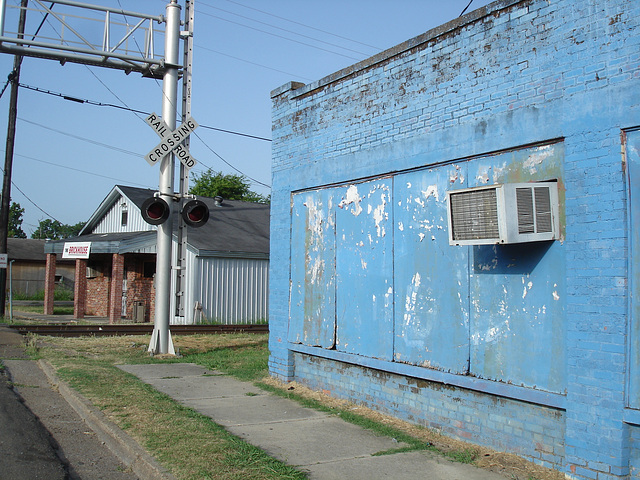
[
  {"x": 237, "y": 290},
  {"x": 112, "y": 221}
]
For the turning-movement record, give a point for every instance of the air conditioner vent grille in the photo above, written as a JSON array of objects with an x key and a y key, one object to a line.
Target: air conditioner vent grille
[
  {"x": 524, "y": 203},
  {"x": 544, "y": 223},
  {"x": 474, "y": 215}
]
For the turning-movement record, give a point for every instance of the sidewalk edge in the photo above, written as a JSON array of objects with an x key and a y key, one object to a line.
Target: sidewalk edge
[{"x": 128, "y": 451}]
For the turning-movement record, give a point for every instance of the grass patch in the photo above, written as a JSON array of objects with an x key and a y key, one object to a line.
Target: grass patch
[
  {"x": 465, "y": 456},
  {"x": 57, "y": 310},
  {"x": 245, "y": 360},
  {"x": 190, "y": 445}
]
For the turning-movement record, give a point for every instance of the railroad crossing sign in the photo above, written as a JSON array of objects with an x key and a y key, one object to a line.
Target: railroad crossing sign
[{"x": 171, "y": 140}]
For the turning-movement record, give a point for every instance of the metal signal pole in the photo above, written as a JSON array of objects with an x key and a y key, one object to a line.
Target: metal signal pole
[
  {"x": 161, "y": 342},
  {"x": 14, "y": 78},
  {"x": 181, "y": 261}
]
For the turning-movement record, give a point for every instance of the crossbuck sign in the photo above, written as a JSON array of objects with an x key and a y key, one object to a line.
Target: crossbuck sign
[{"x": 171, "y": 140}]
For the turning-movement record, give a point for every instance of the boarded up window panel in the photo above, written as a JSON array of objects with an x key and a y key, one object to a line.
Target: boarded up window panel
[
  {"x": 517, "y": 292},
  {"x": 364, "y": 269},
  {"x": 431, "y": 278},
  {"x": 312, "y": 306},
  {"x": 633, "y": 168}
]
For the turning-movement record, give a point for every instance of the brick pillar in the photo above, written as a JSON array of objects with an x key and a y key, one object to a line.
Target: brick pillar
[
  {"x": 115, "y": 296},
  {"x": 49, "y": 283},
  {"x": 80, "y": 289}
]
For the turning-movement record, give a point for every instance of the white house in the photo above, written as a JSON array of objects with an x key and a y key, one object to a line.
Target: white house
[{"x": 226, "y": 263}]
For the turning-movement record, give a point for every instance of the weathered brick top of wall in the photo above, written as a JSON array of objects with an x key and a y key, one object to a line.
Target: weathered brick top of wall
[{"x": 466, "y": 79}]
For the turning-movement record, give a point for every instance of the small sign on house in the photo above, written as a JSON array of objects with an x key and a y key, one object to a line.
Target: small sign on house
[{"x": 76, "y": 250}]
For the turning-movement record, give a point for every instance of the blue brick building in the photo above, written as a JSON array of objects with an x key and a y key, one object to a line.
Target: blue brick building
[{"x": 531, "y": 348}]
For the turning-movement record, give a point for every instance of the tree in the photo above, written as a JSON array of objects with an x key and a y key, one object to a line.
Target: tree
[
  {"x": 54, "y": 230},
  {"x": 15, "y": 221},
  {"x": 229, "y": 187}
]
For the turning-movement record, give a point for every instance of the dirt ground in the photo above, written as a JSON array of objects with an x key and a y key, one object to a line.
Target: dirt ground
[{"x": 511, "y": 466}]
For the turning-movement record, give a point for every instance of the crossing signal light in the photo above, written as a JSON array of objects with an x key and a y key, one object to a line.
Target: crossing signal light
[
  {"x": 195, "y": 213},
  {"x": 155, "y": 210}
]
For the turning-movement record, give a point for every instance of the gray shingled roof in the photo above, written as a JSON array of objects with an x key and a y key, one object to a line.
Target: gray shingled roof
[
  {"x": 25, "y": 249},
  {"x": 234, "y": 227}
]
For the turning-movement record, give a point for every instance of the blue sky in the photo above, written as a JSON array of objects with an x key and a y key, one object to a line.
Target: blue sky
[{"x": 69, "y": 155}]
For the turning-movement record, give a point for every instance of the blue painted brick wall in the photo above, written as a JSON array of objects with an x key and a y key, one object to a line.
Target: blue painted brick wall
[
  {"x": 511, "y": 74},
  {"x": 534, "y": 432}
]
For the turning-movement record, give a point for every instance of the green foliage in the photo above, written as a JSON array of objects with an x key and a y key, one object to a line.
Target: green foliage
[
  {"x": 54, "y": 230},
  {"x": 15, "y": 221},
  {"x": 463, "y": 456},
  {"x": 229, "y": 187},
  {"x": 61, "y": 293}
]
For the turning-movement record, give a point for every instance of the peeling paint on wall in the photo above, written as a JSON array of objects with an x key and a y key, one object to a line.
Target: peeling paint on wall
[
  {"x": 446, "y": 316},
  {"x": 352, "y": 197},
  {"x": 537, "y": 157}
]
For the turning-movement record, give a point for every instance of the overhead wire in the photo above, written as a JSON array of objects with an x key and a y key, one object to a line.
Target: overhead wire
[
  {"x": 66, "y": 167},
  {"x": 128, "y": 152},
  {"x": 127, "y": 108},
  {"x": 465, "y": 8},
  {"x": 77, "y": 137},
  {"x": 301, "y": 24},
  {"x": 280, "y": 36},
  {"x": 203, "y": 142},
  {"x": 29, "y": 199},
  {"x": 285, "y": 30},
  {"x": 142, "y": 112},
  {"x": 294, "y": 75},
  {"x": 236, "y": 169}
]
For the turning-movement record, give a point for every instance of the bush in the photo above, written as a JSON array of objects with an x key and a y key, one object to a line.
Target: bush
[{"x": 61, "y": 293}]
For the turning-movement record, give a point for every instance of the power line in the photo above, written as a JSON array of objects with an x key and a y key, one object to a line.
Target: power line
[
  {"x": 128, "y": 152},
  {"x": 288, "y": 31},
  {"x": 252, "y": 63},
  {"x": 31, "y": 201},
  {"x": 281, "y": 36},
  {"x": 303, "y": 25},
  {"x": 119, "y": 180},
  {"x": 84, "y": 139},
  {"x": 236, "y": 169},
  {"x": 101, "y": 104},
  {"x": 465, "y": 8}
]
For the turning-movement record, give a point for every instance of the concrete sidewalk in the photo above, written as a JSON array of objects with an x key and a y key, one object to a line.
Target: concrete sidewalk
[{"x": 322, "y": 445}]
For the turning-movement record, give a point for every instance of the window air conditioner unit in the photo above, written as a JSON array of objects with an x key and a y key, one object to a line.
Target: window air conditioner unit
[{"x": 507, "y": 213}]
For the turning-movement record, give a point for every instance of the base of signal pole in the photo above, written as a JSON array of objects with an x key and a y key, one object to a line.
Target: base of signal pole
[{"x": 154, "y": 344}]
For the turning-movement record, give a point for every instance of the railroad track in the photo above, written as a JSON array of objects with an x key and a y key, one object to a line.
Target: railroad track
[{"x": 133, "y": 329}]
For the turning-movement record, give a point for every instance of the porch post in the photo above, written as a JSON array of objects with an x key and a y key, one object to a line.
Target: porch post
[
  {"x": 80, "y": 289},
  {"x": 115, "y": 297},
  {"x": 49, "y": 283}
]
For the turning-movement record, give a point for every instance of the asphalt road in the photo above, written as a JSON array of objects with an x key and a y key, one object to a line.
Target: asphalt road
[
  {"x": 27, "y": 449},
  {"x": 41, "y": 435}
]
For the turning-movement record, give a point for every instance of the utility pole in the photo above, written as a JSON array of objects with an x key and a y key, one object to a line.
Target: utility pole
[
  {"x": 161, "y": 342},
  {"x": 14, "y": 78}
]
